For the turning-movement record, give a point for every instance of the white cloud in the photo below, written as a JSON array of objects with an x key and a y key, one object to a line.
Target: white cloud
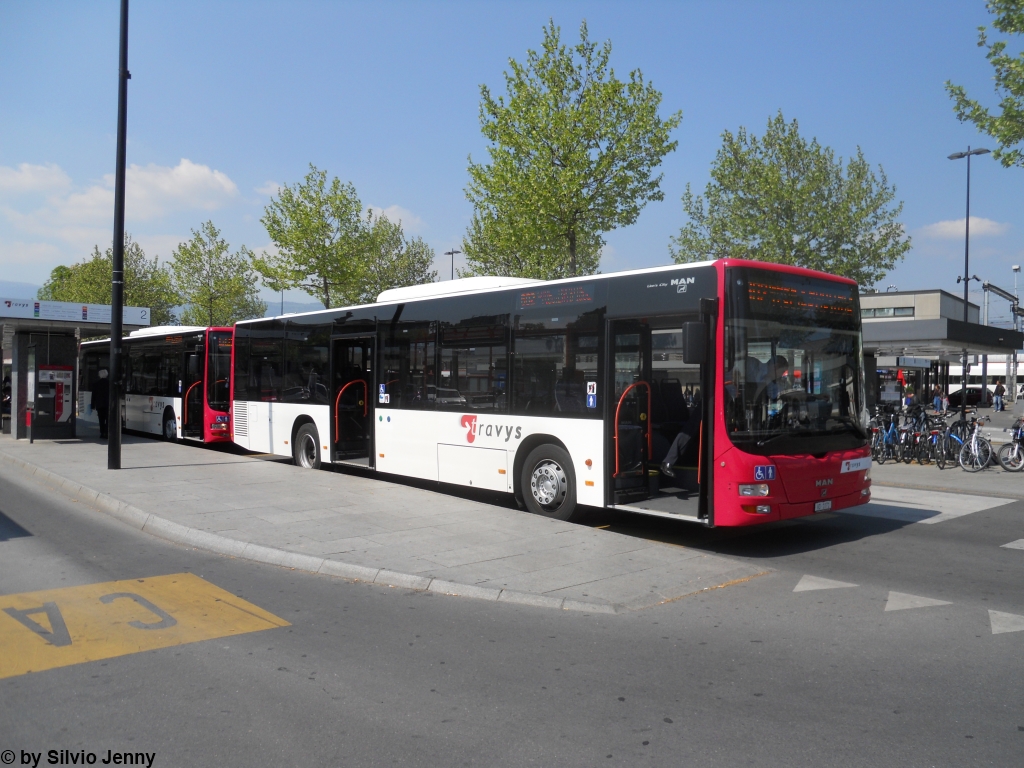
[
  {"x": 411, "y": 223},
  {"x": 161, "y": 245},
  {"x": 155, "y": 190},
  {"x": 33, "y": 178},
  {"x": 269, "y": 188},
  {"x": 954, "y": 230},
  {"x": 28, "y": 254},
  {"x": 266, "y": 250},
  {"x": 86, "y": 216}
]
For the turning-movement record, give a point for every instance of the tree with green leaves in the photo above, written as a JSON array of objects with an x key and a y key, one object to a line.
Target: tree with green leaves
[
  {"x": 573, "y": 151},
  {"x": 784, "y": 199},
  {"x": 217, "y": 287},
  {"x": 317, "y": 229},
  {"x": 390, "y": 260},
  {"x": 147, "y": 283},
  {"x": 1007, "y": 127}
]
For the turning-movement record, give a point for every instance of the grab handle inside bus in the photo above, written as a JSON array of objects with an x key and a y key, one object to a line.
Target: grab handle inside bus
[
  {"x": 366, "y": 401},
  {"x": 618, "y": 408},
  {"x": 694, "y": 343}
]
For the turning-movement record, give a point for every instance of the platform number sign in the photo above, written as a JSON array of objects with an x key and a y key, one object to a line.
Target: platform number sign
[{"x": 764, "y": 472}]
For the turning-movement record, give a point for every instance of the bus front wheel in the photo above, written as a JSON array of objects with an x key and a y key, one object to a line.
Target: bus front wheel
[
  {"x": 170, "y": 425},
  {"x": 548, "y": 483},
  {"x": 306, "y": 449}
]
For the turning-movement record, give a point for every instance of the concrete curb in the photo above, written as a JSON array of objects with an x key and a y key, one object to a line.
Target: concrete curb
[{"x": 222, "y": 545}]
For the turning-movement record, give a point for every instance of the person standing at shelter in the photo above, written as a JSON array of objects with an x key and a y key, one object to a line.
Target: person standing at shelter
[
  {"x": 997, "y": 396},
  {"x": 101, "y": 401},
  {"x": 937, "y": 398}
]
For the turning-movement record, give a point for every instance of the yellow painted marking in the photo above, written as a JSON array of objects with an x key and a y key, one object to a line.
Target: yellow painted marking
[
  {"x": 600, "y": 527},
  {"x": 59, "y": 627}
]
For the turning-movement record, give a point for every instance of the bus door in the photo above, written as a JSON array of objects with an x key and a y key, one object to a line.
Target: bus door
[
  {"x": 630, "y": 406},
  {"x": 192, "y": 392},
  {"x": 657, "y": 416},
  {"x": 352, "y": 400}
]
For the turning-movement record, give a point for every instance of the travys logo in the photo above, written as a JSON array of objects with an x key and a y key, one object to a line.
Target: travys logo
[{"x": 475, "y": 428}]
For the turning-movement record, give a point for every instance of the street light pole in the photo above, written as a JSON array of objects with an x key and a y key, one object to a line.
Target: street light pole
[
  {"x": 452, "y": 253},
  {"x": 117, "y": 266},
  {"x": 967, "y": 271},
  {"x": 1012, "y": 378}
]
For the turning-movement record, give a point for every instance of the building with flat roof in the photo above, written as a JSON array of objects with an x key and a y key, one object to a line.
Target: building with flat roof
[{"x": 918, "y": 335}]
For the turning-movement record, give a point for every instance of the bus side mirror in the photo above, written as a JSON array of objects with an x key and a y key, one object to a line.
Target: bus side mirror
[
  {"x": 193, "y": 365},
  {"x": 694, "y": 346}
]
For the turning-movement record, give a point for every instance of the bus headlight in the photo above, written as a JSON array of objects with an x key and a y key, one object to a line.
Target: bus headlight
[{"x": 755, "y": 489}]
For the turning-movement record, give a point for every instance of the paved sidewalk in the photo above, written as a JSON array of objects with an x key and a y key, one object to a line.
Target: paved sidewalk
[{"x": 366, "y": 528}]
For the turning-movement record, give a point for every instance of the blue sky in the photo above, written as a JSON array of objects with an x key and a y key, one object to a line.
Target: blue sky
[{"x": 228, "y": 99}]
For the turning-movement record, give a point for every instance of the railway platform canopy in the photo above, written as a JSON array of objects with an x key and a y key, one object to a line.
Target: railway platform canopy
[
  {"x": 923, "y": 332},
  {"x": 40, "y": 359}
]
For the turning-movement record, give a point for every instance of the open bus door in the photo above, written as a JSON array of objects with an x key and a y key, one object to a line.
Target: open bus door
[
  {"x": 352, "y": 400},
  {"x": 192, "y": 392},
  {"x": 659, "y": 415}
]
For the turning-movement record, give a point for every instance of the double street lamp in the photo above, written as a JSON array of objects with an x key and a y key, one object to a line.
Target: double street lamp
[
  {"x": 453, "y": 253},
  {"x": 966, "y": 278}
]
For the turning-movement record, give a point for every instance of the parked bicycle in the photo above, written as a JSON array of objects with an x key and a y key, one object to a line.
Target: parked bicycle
[
  {"x": 976, "y": 452},
  {"x": 1011, "y": 455}
]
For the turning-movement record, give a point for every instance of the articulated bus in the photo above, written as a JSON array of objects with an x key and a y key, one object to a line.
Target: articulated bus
[
  {"x": 177, "y": 381},
  {"x": 726, "y": 393}
]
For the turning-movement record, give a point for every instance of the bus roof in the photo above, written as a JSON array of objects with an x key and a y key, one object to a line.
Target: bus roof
[{"x": 490, "y": 284}]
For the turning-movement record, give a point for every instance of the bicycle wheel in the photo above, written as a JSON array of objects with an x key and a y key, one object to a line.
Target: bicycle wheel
[
  {"x": 883, "y": 448},
  {"x": 975, "y": 454},
  {"x": 1011, "y": 457},
  {"x": 940, "y": 451},
  {"x": 907, "y": 447},
  {"x": 923, "y": 451}
]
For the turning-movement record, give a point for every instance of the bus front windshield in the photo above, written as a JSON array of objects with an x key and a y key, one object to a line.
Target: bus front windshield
[{"x": 793, "y": 371}]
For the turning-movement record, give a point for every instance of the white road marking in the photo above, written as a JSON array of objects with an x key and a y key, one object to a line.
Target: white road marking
[
  {"x": 900, "y": 601},
  {"x": 808, "y": 583},
  {"x": 1005, "y": 622},
  {"x": 1018, "y": 544},
  {"x": 914, "y": 506}
]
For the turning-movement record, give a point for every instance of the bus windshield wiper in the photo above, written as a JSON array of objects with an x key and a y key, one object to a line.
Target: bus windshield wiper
[{"x": 776, "y": 436}]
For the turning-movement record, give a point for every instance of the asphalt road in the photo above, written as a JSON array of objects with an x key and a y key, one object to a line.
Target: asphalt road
[{"x": 751, "y": 674}]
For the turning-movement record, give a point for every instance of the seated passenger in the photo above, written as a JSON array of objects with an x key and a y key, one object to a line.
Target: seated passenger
[{"x": 690, "y": 430}]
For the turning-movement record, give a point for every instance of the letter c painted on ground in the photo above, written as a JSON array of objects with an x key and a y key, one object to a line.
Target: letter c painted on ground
[{"x": 166, "y": 620}]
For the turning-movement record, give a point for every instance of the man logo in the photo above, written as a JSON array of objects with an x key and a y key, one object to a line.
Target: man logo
[{"x": 681, "y": 282}]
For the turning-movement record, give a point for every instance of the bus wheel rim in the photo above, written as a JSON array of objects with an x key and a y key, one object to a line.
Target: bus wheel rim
[
  {"x": 170, "y": 429},
  {"x": 548, "y": 484},
  {"x": 307, "y": 451}
]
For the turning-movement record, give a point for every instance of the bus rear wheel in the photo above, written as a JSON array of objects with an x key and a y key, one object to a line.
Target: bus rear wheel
[
  {"x": 306, "y": 448},
  {"x": 548, "y": 483},
  {"x": 170, "y": 425}
]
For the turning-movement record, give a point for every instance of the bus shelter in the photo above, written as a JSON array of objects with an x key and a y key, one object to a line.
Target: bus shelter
[
  {"x": 916, "y": 354},
  {"x": 40, "y": 360}
]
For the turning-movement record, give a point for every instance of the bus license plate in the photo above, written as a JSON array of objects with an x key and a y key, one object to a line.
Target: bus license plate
[{"x": 823, "y": 506}]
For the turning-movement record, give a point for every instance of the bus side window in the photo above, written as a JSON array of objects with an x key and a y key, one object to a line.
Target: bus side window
[
  {"x": 266, "y": 362},
  {"x": 408, "y": 372}
]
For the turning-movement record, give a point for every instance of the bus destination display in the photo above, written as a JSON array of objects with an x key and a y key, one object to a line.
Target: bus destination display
[{"x": 556, "y": 296}]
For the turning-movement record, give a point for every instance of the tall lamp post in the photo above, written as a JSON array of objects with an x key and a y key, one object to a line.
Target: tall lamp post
[
  {"x": 453, "y": 253},
  {"x": 117, "y": 266},
  {"x": 1012, "y": 378},
  {"x": 966, "y": 278}
]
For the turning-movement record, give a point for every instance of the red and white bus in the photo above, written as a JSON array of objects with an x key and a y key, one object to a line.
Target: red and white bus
[
  {"x": 726, "y": 393},
  {"x": 177, "y": 381}
]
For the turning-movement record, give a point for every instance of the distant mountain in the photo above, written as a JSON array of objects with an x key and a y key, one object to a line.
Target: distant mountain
[
  {"x": 13, "y": 290},
  {"x": 274, "y": 307}
]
